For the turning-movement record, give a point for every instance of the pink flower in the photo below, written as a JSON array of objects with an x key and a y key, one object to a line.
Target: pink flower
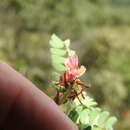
[
  {"x": 73, "y": 71},
  {"x": 70, "y": 79},
  {"x": 72, "y": 65}
]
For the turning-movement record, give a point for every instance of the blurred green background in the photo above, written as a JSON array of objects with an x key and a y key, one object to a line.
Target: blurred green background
[{"x": 99, "y": 31}]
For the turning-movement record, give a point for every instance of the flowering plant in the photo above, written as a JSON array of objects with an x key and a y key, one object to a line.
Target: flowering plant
[
  {"x": 80, "y": 108},
  {"x": 69, "y": 80}
]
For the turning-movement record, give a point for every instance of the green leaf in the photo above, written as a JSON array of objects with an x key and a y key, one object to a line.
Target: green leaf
[
  {"x": 93, "y": 114},
  {"x": 56, "y": 76},
  {"x": 58, "y": 59},
  {"x": 97, "y": 128},
  {"x": 84, "y": 117},
  {"x": 86, "y": 127},
  {"x": 73, "y": 115},
  {"x": 67, "y": 43},
  {"x": 103, "y": 117},
  {"x": 79, "y": 109},
  {"x": 55, "y": 86},
  {"x": 59, "y": 67},
  {"x": 58, "y": 52},
  {"x": 56, "y": 42},
  {"x": 71, "y": 53},
  {"x": 89, "y": 102},
  {"x": 111, "y": 121}
]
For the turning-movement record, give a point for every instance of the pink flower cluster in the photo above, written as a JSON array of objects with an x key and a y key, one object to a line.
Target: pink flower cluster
[
  {"x": 70, "y": 78},
  {"x": 73, "y": 71}
]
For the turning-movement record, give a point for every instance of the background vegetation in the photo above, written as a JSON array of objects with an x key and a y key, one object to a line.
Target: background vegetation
[{"x": 100, "y": 32}]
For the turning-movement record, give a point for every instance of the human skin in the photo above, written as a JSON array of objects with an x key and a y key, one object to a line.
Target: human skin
[{"x": 24, "y": 107}]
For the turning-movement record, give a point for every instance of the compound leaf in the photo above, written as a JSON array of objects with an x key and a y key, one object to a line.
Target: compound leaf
[
  {"x": 56, "y": 42},
  {"x": 59, "y": 67},
  {"x": 58, "y": 59},
  {"x": 110, "y": 122},
  {"x": 84, "y": 117},
  {"x": 103, "y": 117},
  {"x": 59, "y": 52}
]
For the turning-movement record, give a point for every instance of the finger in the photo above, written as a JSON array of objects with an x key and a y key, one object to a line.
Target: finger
[{"x": 25, "y": 107}]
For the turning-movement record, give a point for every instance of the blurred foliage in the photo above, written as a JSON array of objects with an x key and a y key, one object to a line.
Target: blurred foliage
[{"x": 100, "y": 30}]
